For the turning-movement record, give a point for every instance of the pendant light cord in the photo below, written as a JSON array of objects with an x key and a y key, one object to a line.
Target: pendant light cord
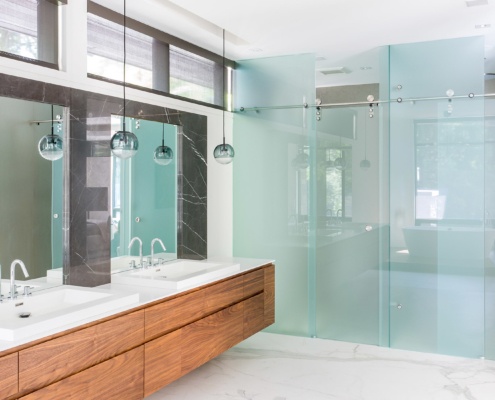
[
  {"x": 52, "y": 123},
  {"x": 125, "y": 59},
  {"x": 223, "y": 87}
]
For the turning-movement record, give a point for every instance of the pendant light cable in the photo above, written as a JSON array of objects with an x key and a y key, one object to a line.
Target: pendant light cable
[
  {"x": 223, "y": 88},
  {"x": 223, "y": 153},
  {"x": 124, "y": 144},
  {"x": 125, "y": 60}
]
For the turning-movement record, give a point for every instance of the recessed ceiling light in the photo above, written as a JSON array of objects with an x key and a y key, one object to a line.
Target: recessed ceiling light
[
  {"x": 483, "y": 26},
  {"x": 474, "y": 3}
]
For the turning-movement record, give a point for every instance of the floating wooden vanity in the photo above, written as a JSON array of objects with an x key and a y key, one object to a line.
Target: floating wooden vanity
[{"x": 133, "y": 354}]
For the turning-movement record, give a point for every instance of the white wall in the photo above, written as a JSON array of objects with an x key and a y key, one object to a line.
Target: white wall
[{"x": 74, "y": 75}]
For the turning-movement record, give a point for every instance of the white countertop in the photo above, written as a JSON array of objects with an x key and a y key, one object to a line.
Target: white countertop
[{"x": 146, "y": 295}]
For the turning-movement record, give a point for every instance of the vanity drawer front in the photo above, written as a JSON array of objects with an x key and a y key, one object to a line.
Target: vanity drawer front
[
  {"x": 211, "y": 336},
  {"x": 8, "y": 375},
  {"x": 253, "y": 283},
  {"x": 269, "y": 295},
  {"x": 55, "y": 359},
  {"x": 254, "y": 315},
  {"x": 173, "y": 314},
  {"x": 224, "y": 294},
  {"x": 162, "y": 361},
  {"x": 120, "y": 377}
]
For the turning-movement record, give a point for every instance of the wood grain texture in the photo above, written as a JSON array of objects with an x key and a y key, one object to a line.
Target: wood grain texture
[
  {"x": 223, "y": 294},
  {"x": 56, "y": 359},
  {"x": 9, "y": 375},
  {"x": 269, "y": 294},
  {"x": 211, "y": 336},
  {"x": 173, "y": 314},
  {"x": 254, "y": 315},
  {"x": 119, "y": 378},
  {"x": 253, "y": 282},
  {"x": 162, "y": 361}
]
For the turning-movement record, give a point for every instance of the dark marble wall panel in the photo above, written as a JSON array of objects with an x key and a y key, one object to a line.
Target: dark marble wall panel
[
  {"x": 87, "y": 249},
  {"x": 192, "y": 176}
]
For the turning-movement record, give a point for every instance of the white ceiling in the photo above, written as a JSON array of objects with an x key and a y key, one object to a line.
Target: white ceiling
[{"x": 345, "y": 33}]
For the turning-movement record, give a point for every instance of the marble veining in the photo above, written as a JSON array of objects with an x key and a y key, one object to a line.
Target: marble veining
[{"x": 278, "y": 367}]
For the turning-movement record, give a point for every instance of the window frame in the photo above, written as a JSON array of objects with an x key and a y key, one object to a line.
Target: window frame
[
  {"x": 167, "y": 40},
  {"x": 57, "y": 45}
]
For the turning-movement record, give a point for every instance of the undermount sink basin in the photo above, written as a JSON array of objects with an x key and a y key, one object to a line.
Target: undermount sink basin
[
  {"x": 55, "y": 308},
  {"x": 176, "y": 274}
]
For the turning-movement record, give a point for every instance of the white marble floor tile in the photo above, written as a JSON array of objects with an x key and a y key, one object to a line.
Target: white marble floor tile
[{"x": 278, "y": 367}]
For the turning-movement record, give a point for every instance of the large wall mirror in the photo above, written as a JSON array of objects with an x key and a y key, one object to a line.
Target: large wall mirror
[
  {"x": 143, "y": 198},
  {"x": 31, "y": 194}
]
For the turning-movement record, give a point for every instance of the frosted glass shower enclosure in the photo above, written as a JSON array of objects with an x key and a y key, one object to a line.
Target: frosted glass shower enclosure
[{"x": 380, "y": 213}]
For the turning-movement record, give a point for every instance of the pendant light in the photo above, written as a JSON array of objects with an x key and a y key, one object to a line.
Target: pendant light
[
  {"x": 50, "y": 146},
  {"x": 224, "y": 153},
  {"x": 124, "y": 144},
  {"x": 163, "y": 155}
]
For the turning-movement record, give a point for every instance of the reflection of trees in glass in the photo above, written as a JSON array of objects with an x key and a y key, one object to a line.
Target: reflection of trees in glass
[
  {"x": 338, "y": 183},
  {"x": 450, "y": 165},
  {"x": 18, "y": 43}
]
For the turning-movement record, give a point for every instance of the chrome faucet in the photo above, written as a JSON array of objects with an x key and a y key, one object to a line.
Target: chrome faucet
[
  {"x": 13, "y": 293},
  {"x": 135, "y": 238},
  {"x": 152, "y": 250}
]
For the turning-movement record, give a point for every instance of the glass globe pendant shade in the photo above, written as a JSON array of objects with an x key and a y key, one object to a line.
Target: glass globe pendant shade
[
  {"x": 301, "y": 161},
  {"x": 124, "y": 144},
  {"x": 163, "y": 155},
  {"x": 50, "y": 147},
  {"x": 339, "y": 163},
  {"x": 224, "y": 153},
  {"x": 365, "y": 164}
]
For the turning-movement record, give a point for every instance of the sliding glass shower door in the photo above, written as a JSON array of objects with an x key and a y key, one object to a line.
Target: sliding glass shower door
[{"x": 437, "y": 204}]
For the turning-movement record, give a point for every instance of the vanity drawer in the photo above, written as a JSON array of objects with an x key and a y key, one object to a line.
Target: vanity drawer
[
  {"x": 253, "y": 282},
  {"x": 8, "y": 375},
  {"x": 58, "y": 358},
  {"x": 173, "y": 314},
  {"x": 254, "y": 315},
  {"x": 269, "y": 295},
  {"x": 120, "y": 377},
  {"x": 162, "y": 362},
  {"x": 224, "y": 294},
  {"x": 211, "y": 336}
]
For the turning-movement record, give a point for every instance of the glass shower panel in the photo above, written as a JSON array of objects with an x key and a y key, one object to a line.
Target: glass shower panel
[
  {"x": 272, "y": 179},
  {"x": 490, "y": 220},
  {"x": 348, "y": 224},
  {"x": 437, "y": 198}
]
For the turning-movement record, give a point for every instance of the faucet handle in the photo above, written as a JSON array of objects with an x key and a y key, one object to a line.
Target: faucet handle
[
  {"x": 132, "y": 264},
  {"x": 27, "y": 291}
]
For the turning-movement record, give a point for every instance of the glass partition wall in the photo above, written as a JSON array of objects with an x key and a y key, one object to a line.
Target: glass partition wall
[{"x": 379, "y": 215}]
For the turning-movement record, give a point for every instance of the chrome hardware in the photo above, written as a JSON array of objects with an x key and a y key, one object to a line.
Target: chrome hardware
[
  {"x": 13, "y": 290},
  {"x": 135, "y": 238},
  {"x": 152, "y": 248}
]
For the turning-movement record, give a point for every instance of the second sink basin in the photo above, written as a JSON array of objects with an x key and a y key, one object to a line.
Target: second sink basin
[
  {"x": 176, "y": 274},
  {"x": 55, "y": 308}
]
